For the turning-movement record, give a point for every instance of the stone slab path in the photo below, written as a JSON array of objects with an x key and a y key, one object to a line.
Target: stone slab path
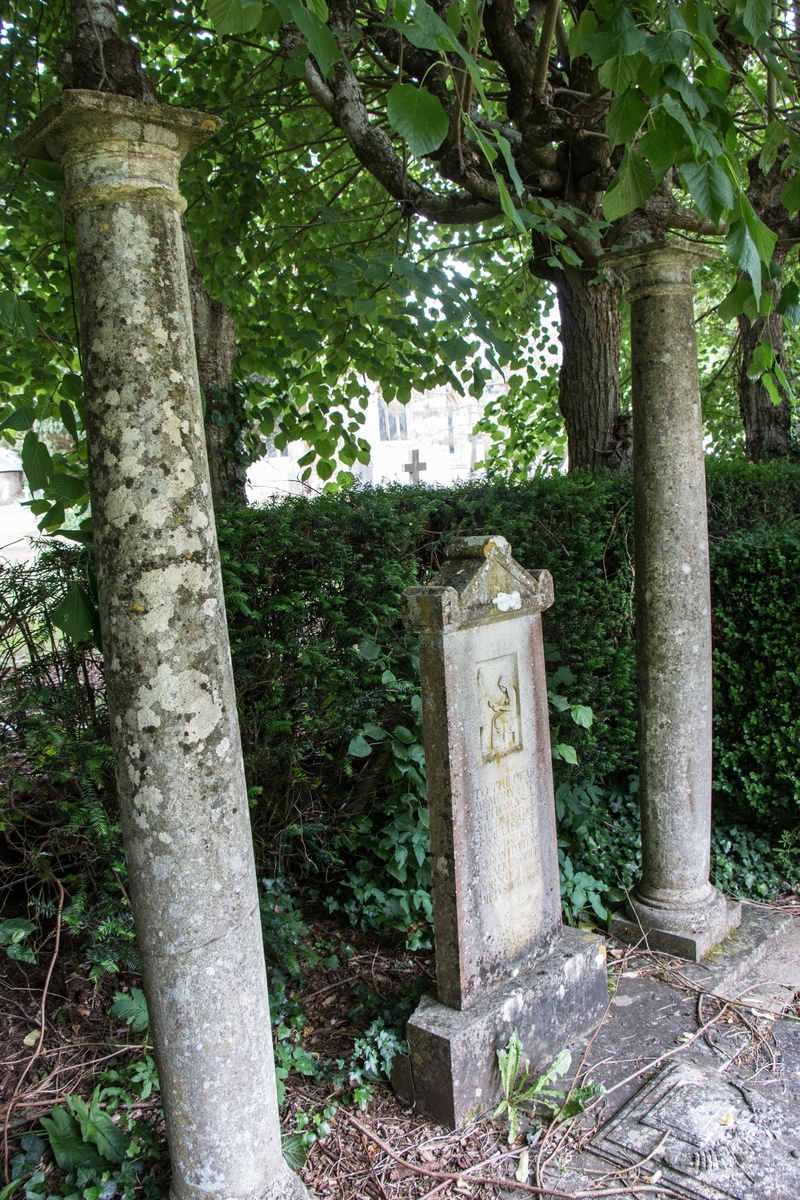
[{"x": 701, "y": 1065}]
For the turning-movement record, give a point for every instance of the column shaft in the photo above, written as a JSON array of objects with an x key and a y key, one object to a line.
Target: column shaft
[
  {"x": 170, "y": 688},
  {"x": 674, "y": 903}
]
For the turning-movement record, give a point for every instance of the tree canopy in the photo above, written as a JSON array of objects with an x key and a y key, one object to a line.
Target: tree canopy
[{"x": 398, "y": 194}]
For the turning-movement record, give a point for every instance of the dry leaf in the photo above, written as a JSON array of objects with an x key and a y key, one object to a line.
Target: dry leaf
[
  {"x": 521, "y": 1173},
  {"x": 32, "y": 1037}
]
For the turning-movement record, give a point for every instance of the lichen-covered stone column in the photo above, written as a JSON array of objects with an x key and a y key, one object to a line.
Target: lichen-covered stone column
[
  {"x": 674, "y": 904},
  {"x": 168, "y": 671}
]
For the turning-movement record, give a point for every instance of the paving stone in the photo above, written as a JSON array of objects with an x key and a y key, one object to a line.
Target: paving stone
[{"x": 711, "y": 1138}]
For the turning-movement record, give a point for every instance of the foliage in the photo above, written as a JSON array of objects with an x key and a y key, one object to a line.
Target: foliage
[
  {"x": 521, "y": 1093},
  {"x": 328, "y": 693},
  {"x": 101, "y": 1146}
]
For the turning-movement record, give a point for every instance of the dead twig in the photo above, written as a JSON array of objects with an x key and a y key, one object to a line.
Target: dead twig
[
  {"x": 39, "y": 1045},
  {"x": 530, "y": 1189}
]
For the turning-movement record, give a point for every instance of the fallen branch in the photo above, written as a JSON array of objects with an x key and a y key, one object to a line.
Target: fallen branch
[{"x": 448, "y": 1177}]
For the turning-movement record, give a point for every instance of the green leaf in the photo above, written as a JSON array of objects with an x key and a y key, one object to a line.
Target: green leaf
[
  {"x": 417, "y": 115},
  {"x": 774, "y": 137},
  {"x": 742, "y": 250},
  {"x": 132, "y": 1009},
  {"x": 14, "y": 930},
  {"x": 567, "y": 753},
  {"x": 69, "y": 1148},
  {"x": 672, "y": 46},
  {"x": 68, "y": 488},
  {"x": 233, "y": 16},
  {"x": 68, "y": 419},
  {"x": 293, "y": 1150},
  {"x": 321, "y": 42},
  {"x": 75, "y": 615},
  {"x": 757, "y": 17},
  {"x": 618, "y": 73},
  {"x": 734, "y": 303},
  {"x": 369, "y": 650},
  {"x": 772, "y": 390},
  {"x": 626, "y": 116},
  {"x": 359, "y": 747},
  {"x": 582, "y": 715},
  {"x": 35, "y": 462},
  {"x": 789, "y": 304},
  {"x": 16, "y": 317},
  {"x": 709, "y": 187},
  {"x": 98, "y": 1129},
  {"x": 675, "y": 78},
  {"x": 761, "y": 360},
  {"x": 619, "y": 35},
  {"x": 587, "y": 24},
  {"x": 21, "y": 418},
  {"x": 632, "y": 185},
  {"x": 790, "y": 194}
]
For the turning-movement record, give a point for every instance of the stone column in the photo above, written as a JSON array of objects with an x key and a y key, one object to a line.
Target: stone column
[
  {"x": 674, "y": 904},
  {"x": 170, "y": 686}
]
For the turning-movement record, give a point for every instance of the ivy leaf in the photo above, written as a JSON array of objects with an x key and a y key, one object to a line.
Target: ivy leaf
[
  {"x": 620, "y": 35},
  {"x": 292, "y": 1148},
  {"x": 632, "y": 185},
  {"x": 69, "y": 1148},
  {"x": 233, "y": 16},
  {"x": 417, "y": 115},
  {"x": 709, "y": 187},
  {"x": 626, "y": 116}
]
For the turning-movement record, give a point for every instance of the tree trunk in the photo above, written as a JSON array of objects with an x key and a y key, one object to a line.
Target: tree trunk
[
  {"x": 215, "y": 345},
  {"x": 767, "y": 426},
  {"x": 591, "y": 325},
  {"x": 97, "y": 59}
]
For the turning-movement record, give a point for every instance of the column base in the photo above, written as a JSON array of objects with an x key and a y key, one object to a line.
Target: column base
[
  {"x": 686, "y": 930},
  {"x": 284, "y": 1185},
  {"x": 450, "y": 1072}
]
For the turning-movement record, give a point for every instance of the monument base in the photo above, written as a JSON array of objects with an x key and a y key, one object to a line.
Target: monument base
[
  {"x": 685, "y": 932},
  {"x": 450, "y": 1072}
]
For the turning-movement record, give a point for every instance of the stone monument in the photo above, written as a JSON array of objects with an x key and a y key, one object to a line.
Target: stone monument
[{"x": 503, "y": 958}]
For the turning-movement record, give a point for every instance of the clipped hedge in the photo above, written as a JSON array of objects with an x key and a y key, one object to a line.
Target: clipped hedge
[{"x": 313, "y": 588}]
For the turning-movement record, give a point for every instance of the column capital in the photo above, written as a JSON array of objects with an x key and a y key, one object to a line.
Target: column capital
[
  {"x": 660, "y": 266},
  {"x": 115, "y": 149}
]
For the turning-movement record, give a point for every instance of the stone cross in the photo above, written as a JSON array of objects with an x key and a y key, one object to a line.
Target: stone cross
[
  {"x": 415, "y": 466},
  {"x": 174, "y": 729},
  {"x": 501, "y": 952},
  {"x": 674, "y": 905}
]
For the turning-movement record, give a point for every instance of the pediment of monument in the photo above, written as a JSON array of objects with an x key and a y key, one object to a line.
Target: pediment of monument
[{"x": 478, "y": 582}]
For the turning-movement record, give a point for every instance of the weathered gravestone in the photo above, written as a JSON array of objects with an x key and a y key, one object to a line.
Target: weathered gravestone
[{"x": 503, "y": 958}]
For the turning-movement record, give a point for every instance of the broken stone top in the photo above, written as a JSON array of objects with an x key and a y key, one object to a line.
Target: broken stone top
[{"x": 479, "y": 582}]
